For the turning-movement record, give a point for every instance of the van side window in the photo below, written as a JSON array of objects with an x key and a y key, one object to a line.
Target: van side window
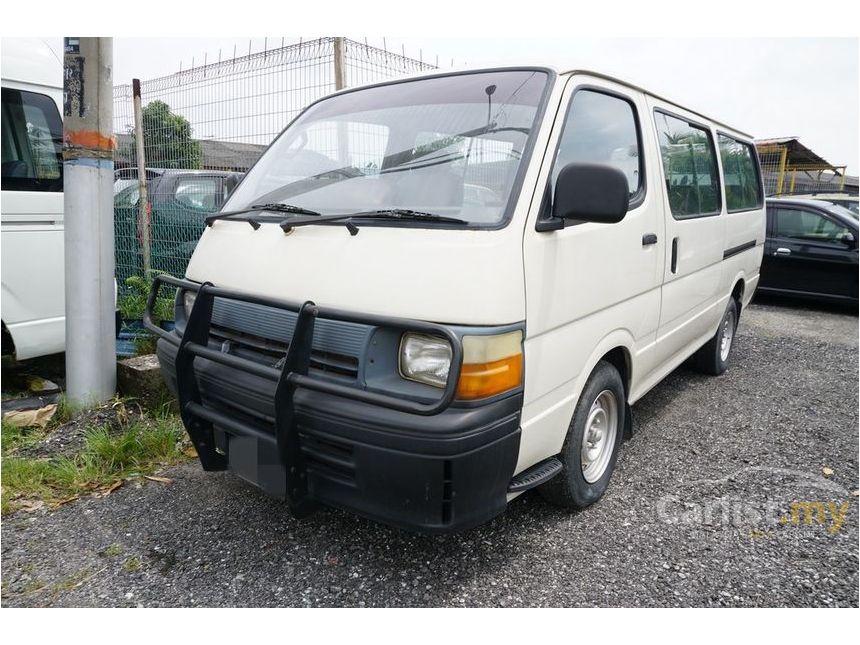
[
  {"x": 689, "y": 167},
  {"x": 601, "y": 128},
  {"x": 32, "y": 142},
  {"x": 740, "y": 174}
]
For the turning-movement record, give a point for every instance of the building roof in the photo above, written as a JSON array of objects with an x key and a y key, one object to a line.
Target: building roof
[
  {"x": 217, "y": 155},
  {"x": 798, "y": 154},
  {"x": 230, "y": 155}
]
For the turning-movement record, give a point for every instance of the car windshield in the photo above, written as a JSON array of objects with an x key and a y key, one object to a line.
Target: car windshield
[
  {"x": 451, "y": 146},
  {"x": 842, "y": 210}
]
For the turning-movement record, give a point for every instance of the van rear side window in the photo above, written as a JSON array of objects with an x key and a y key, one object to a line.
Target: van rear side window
[
  {"x": 740, "y": 174},
  {"x": 689, "y": 167},
  {"x": 32, "y": 142}
]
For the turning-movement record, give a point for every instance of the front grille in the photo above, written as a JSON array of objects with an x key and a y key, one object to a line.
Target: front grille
[
  {"x": 273, "y": 352},
  {"x": 262, "y": 333}
]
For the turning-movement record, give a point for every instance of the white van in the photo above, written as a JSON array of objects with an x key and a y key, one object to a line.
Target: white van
[
  {"x": 433, "y": 294},
  {"x": 33, "y": 298}
]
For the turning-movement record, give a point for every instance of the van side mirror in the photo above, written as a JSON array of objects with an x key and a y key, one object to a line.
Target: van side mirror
[{"x": 591, "y": 193}]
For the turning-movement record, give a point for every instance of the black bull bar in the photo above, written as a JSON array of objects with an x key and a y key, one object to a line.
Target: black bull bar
[{"x": 199, "y": 419}]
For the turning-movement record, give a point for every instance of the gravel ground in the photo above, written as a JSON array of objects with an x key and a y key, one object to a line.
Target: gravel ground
[{"x": 692, "y": 516}]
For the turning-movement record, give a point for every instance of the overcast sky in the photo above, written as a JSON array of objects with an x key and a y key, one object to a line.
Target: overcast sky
[{"x": 769, "y": 87}]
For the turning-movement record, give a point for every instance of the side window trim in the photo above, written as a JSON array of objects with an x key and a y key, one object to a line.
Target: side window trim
[
  {"x": 756, "y": 163},
  {"x": 638, "y": 197},
  {"x": 717, "y": 164}
]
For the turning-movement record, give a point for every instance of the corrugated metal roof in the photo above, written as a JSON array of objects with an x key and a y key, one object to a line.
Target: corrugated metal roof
[
  {"x": 217, "y": 155},
  {"x": 798, "y": 154}
]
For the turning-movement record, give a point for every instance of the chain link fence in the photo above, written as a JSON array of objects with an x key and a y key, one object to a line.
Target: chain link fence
[{"x": 204, "y": 127}]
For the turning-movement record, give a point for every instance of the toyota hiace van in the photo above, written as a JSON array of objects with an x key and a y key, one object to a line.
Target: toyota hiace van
[{"x": 432, "y": 294}]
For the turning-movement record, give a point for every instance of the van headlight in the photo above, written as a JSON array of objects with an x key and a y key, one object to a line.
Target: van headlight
[
  {"x": 492, "y": 364},
  {"x": 425, "y": 359},
  {"x": 188, "y": 298}
]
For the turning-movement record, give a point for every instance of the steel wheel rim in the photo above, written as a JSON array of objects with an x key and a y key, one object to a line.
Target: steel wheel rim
[
  {"x": 598, "y": 439},
  {"x": 728, "y": 336}
]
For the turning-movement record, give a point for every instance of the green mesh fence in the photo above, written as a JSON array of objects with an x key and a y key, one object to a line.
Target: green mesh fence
[{"x": 204, "y": 127}]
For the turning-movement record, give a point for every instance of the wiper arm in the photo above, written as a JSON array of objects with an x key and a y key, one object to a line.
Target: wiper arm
[
  {"x": 284, "y": 208},
  {"x": 346, "y": 219},
  {"x": 407, "y": 213},
  {"x": 269, "y": 208},
  {"x": 293, "y": 222}
]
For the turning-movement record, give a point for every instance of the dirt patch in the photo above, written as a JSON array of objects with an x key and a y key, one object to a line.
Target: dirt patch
[{"x": 68, "y": 438}]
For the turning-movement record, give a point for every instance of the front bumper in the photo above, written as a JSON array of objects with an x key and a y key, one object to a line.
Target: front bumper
[{"x": 440, "y": 471}]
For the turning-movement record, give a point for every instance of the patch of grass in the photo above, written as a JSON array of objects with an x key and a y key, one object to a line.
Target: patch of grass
[
  {"x": 132, "y": 563},
  {"x": 132, "y": 301},
  {"x": 33, "y": 586},
  {"x": 107, "y": 457},
  {"x": 65, "y": 411},
  {"x": 112, "y": 551},
  {"x": 144, "y": 344},
  {"x": 13, "y": 437},
  {"x": 74, "y": 580}
]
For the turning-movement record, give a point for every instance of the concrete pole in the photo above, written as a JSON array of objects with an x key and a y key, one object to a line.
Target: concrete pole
[
  {"x": 88, "y": 149},
  {"x": 143, "y": 203},
  {"x": 339, "y": 63},
  {"x": 339, "y": 84}
]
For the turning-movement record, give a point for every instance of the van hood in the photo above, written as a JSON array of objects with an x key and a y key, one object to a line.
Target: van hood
[{"x": 464, "y": 277}]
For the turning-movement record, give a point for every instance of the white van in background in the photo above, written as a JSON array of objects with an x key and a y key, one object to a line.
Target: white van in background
[
  {"x": 432, "y": 294},
  {"x": 33, "y": 302}
]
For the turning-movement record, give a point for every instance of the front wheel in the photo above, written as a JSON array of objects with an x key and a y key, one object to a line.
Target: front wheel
[
  {"x": 713, "y": 357},
  {"x": 593, "y": 440}
]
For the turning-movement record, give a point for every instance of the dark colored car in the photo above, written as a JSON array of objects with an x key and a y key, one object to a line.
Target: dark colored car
[
  {"x": 179, "y": 202},
  {"x": 811, "y": 250}
]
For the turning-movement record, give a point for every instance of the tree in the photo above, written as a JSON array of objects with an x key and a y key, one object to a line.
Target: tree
[{"x": 167, "y": 139}]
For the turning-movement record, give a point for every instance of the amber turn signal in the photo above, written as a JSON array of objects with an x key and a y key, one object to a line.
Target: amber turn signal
[{"x": 480, "y": 380}]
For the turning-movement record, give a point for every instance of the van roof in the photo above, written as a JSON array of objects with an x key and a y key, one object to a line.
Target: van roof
[{"x": 31, "y": 60}]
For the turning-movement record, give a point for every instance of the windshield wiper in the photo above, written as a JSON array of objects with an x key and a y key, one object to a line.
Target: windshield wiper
[
  {"x": 408, "y": 213},
  {"x": 346, "y": 219},
  {"x": 268, "y": 208}
]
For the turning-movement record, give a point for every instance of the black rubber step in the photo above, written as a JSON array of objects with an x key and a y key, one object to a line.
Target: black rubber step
[{"x": 535, "y": 476}]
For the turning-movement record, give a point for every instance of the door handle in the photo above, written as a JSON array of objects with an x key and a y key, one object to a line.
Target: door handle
[
  {"x": 675, "y": 255},
  {"x": 649, "y": 239},
  {"x": 782, "y": 251}
]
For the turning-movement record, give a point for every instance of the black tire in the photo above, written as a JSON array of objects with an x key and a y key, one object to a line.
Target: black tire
[
  {"x": 569, "y": 488},
  {"x": 709, "y": 359}
]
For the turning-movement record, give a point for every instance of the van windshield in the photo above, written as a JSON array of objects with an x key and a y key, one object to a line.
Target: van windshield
[{"x": 451, "y": 146}]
